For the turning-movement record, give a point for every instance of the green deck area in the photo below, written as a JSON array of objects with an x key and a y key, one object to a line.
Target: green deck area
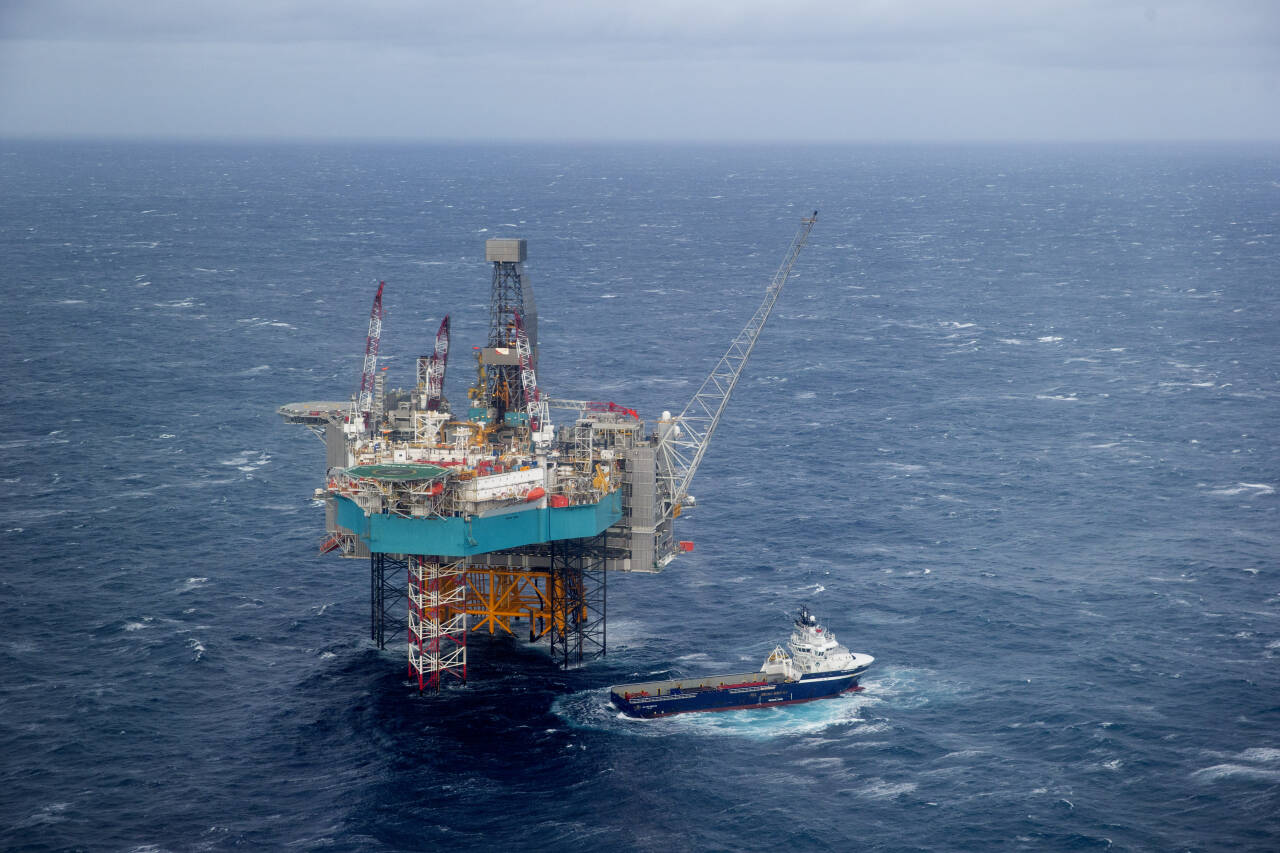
[{"x": 397, "y": 473}]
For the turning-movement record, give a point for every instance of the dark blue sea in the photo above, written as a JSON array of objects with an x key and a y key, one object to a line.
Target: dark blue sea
[{"x": 1014, "y": 429}]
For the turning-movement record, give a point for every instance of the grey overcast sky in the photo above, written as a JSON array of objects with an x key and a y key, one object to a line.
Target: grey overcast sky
[{"x": 758, "y": 70}]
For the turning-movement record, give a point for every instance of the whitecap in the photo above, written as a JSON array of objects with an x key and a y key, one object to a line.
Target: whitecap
[
  {"x": 1256, "y": 489},
  {"x": 50, "y": 814},
  {"x": 245, "y": 461},
  {"x": 1049, "y": 339},
  {"x": 1261, "y": 753},
  {"x": 879, "y": 789},
  {"x": 1227, "y": 771},
  {"x": 965, "y": 753},
  {"x": 822, "y": 763}
]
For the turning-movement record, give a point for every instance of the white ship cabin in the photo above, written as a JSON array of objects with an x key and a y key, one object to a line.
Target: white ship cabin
[{"x": 813, "y": 648}]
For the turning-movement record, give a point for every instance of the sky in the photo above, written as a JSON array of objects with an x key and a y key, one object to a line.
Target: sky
[{"x": 643, "y": 70}]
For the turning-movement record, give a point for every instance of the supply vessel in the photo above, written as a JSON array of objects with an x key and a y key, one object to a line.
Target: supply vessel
[{"x": 816, "y": 667}]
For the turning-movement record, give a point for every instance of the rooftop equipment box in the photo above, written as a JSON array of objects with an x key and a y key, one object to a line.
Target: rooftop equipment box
[{"x": 506, "y": 249}]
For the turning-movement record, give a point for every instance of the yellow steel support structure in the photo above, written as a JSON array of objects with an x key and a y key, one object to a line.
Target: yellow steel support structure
[{"x": 497, "y": 596}]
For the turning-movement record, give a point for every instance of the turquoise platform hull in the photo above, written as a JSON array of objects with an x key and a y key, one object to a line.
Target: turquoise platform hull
[{"x": 456, "y": 537}]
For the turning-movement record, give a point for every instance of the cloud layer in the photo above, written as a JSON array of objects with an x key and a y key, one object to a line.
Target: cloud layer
[{"x": 750, "y": 69}]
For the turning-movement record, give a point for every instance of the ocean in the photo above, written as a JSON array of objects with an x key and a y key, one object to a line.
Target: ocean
[{"x": 1014, "y": 429}]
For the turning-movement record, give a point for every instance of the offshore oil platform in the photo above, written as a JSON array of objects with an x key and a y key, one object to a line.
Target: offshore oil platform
[{"x": 490, "y": 517}]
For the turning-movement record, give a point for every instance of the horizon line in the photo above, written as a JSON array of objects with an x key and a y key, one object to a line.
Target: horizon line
[{"x": 254, "y": 139}]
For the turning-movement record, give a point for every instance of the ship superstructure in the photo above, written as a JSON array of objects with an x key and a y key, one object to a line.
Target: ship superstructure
[{"x": 495, "y": 515}]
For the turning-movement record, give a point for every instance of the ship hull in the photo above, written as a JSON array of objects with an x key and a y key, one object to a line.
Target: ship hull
[{"x": 663, "y": 699}]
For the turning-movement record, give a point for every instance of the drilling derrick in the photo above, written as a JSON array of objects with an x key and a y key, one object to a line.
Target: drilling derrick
[
  {"x": 498, "y": 389},
  {"x": 502, "y": 521}
]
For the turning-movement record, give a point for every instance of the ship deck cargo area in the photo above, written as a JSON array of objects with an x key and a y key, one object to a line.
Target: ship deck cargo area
[{"x": 693, "y": 685}]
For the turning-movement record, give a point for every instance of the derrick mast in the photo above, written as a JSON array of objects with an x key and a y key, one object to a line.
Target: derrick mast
[{"x": 498, "y": 388}]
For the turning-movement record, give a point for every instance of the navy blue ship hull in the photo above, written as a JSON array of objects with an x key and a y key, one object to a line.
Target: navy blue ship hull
[{"x": 726, "y": 693}]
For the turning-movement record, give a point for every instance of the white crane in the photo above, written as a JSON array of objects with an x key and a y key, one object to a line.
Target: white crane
[
  {"x": 540, "y": 429},
  {"x": 683, "y": 440}
]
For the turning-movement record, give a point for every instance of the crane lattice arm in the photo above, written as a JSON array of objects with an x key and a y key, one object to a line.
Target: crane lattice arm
[
  {"x": 684, "y": 439},
  {"x": 535, "y": 404},
  {"x": 431, "y": 370},
  {"x": 364, "y": 403}
]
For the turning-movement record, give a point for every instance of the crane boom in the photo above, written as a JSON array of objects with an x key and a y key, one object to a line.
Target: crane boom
[
  {"x": 540, "y": 430},
  {"x": 364, "y": 403},
  {"x": 683, "y": 440},
  {"x": 431, "y": 370}
]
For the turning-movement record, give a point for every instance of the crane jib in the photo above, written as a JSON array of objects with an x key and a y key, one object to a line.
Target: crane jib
[{"x": 684, "y": 439}]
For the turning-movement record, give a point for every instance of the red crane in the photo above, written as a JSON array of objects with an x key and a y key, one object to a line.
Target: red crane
[
  {"x": 368, "y": 377},
  {"x": 431, "y": 370}
]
